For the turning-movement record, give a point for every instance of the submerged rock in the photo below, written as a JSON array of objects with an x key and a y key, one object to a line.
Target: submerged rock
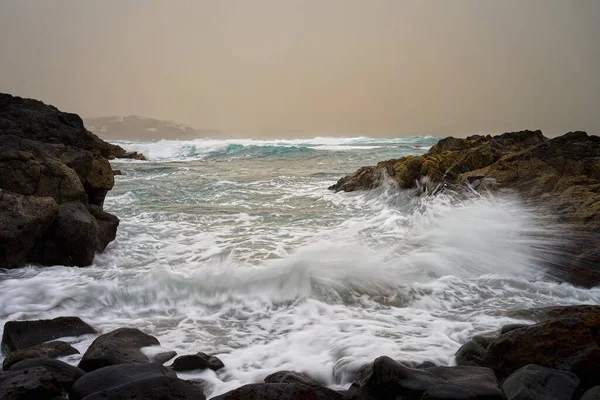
[
  {"x": 52, "y": 170},
  {"x": 561, "y": 175},
  {"x": 121, "y": 346}
]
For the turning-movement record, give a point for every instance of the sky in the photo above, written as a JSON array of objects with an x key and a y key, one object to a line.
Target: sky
[{"x": 312, "y": 67}]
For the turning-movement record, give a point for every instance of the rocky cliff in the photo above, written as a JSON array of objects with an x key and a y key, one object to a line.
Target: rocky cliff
[
  {"x": 559, "y": 175},
  {"x": 54, "y": 176}
]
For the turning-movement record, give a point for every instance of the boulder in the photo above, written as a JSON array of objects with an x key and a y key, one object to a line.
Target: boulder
[
  {"x": 24, "y": 220},
  {"x": 533, "y": 382},
  {"x": 44, "y": 350},
  {"x": 23, "y": 334},
  {"x": 280, "y": 391},
  {"x": 568, "y": 343},
  {"x": 471, "y": 354},
  {"x": 29, "y": 384},
  {"x": 121, "y": 346},
  {"x": 197, "y": 361},
  {"x": 480, "y": 382},
  {"x": 47, "y": 154},
  {"x": 116, "y": 375},
  {"x": 292, "y": 377},
  {"x": 155, "y": 388},
  {"x": 64, "y": 373},
  {"x": 592, "y": 394},
  {"x": 388, "y": 379}
]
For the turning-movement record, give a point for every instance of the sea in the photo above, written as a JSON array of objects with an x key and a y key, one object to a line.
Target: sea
[{"x": 237, "y": 248}]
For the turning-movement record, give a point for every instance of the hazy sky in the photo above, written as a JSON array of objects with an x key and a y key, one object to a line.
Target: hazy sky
[{"x": 376, "y": 67}]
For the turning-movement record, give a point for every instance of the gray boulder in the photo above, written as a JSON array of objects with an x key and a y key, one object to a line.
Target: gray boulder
[
  {"x": 64, "y": 373},
  {"x": 156, "y": 388},
  {"x": 44, "y": 350}
]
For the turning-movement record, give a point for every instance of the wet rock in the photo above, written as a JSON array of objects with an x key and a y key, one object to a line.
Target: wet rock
[
  {"x": 292, "y": 377},
  {"x": 471, "y": 354},
  {"x": 29, "y": 384},
  {"x": 24, "y": 220},
  {"x": 117, "y": 172},
  {"x": 23, "y": 334},
  {"x": 73, "y": 240},
  {"x": 481, "y": 382},
  {"x": 117, "y": 151},
  {"x": 121, "y": 346},
  {"x": 116, "y": 375},
  {"x": 282, "y": 391},
  {"x": 107, "y": 227},
  {"x": 510, "y": 327},
  {"x": 197, "y": 361},
  {"x": 64, "y": 373},
  {"x": 43, "y": 350},
  {"x": 387, "y": 379},
  {"x": 163, "y": 357},
  {"x": 155, "y": 388},
  {"x": 448, "y": 392},
  {"x": 533, "y": 382},
  {"x": 592, "y": 394},
  {"x": 568, "y": 343}
]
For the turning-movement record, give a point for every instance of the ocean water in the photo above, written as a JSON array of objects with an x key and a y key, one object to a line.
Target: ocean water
[{"x": 237, "y": 248}]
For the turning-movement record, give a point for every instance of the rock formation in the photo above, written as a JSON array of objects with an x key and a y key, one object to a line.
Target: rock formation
[
  {"x": 559, "y": 175},
  {"x": 54, "y": 176}
]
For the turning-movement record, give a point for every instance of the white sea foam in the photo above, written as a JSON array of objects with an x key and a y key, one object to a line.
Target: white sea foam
[{"x": 257, "y": 262}]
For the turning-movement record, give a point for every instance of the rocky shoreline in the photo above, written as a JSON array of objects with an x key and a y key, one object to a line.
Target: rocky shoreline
[
  {"x": 560, "y": 176},
  {"x": 557, "y": 358}
]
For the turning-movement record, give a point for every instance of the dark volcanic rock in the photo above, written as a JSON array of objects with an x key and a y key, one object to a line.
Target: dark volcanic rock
[
  {"x": 48, "y": 155},
  {"x": 533, "y": 382},
  {"x": 117, "y": 151},
  {"x": 23, "y": 334},
  {"x": 291, "y": 377},
  {"x": 43, "y": 350},
  {"x": 197, "y": 361},
  {"x": 156, "y": 388},
  {"x": 471, "y": 353},
  {"x": 29, "y": 384},
  {"x": 592, "y": 394},
  {"x": 116, "y": 375},
  {"x": 559, "y": 175},
  {"x": 24, "y": 220},
  {"x": 280, "y": 391},
  {"x": 121, "y": 346},
  {"x": 64, "y": 373},
  {"x": 388, "y": 379},
  {"x": 568, "y": 343}
]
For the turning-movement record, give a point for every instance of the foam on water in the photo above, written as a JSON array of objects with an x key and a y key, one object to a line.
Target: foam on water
[{"x": 257, "y": 262}]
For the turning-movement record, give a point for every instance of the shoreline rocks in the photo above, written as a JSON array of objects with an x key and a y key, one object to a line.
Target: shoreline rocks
[
  {"x": 561, "y": 176},
  {"x": 54, "y": 176},
  {"x": 555, "y": 359}
]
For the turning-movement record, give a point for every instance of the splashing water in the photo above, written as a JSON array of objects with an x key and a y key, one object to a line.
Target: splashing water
[{"x": 237, "y": 248}]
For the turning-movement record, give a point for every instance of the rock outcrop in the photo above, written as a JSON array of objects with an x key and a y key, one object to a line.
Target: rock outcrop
[
  {"x": 54, "y": 176},
  {"x": 559, "y": 175}
]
